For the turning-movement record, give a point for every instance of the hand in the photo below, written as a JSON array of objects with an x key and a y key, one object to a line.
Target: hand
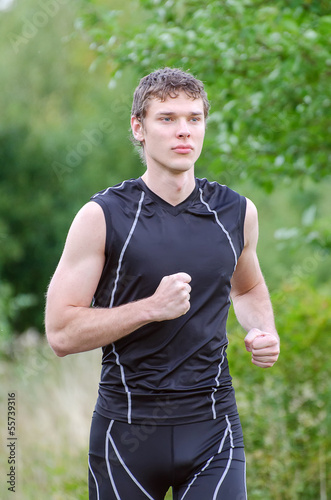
[
  {"x": 172, "y": 297},
  {"x": 264, "y": 347}
]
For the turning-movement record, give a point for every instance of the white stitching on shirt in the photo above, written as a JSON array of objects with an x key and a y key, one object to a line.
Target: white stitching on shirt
[
  {"x": 221, "y": 226},
  {"x": 127, "y": 241},
  {"x": 217, "y": 382},
  {"x": 128, "y": 393}
]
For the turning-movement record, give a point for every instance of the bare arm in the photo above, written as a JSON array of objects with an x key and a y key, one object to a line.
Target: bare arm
[
  {"x": 71, "y": 324},
  {"x": 251, "y": 299}
]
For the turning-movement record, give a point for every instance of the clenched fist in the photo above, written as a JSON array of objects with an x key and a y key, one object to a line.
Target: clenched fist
[
  {"x": 264, "y": 347},
  {"x": 172, "y": 297}
]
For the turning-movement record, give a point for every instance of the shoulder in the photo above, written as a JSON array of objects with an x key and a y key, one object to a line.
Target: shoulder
[
  {"x": 88, "y": 230},
  {"x": 119, "y": 202},
  {"x": 214, "y": 188},
  {"x": 251, "y": 225},
  {"x": 90, "y": 215},
  {"x": 219, "y": 196},
  {"x": 210, "y": 187},
  {"x": 251, "y": 218},
  {"x": 124, "y": 190}
]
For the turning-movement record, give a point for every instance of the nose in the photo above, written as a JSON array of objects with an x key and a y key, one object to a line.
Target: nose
[{"x": 183, "y": 129}]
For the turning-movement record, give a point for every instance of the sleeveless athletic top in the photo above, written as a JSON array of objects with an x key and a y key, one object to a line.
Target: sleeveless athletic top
[{"x": 173, "y": 371}]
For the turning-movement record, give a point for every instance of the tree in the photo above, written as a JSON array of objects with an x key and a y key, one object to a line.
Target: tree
[
  {"x": 60, "y": 142},
  {"x": 266, "y": 66}
]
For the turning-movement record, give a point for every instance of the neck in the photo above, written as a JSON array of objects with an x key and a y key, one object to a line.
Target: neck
[{"x": 172, "y": 188}]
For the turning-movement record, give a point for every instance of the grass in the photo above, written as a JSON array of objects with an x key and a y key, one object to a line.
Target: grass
[{"x": 55, "y": 400}]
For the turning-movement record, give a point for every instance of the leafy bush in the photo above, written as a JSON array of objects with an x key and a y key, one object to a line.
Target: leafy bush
[
  {"x": 61, "y": 140},
  {"x": 265, "y": 66},
  {"x": 10, "y": 308},
  {"x": 285, "y": 411}
]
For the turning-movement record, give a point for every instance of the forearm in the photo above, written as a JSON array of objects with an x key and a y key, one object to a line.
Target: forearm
[
  {"x": 254, "y": 309},
  {"x": 83, "y": 328},
  {"x": 71, "y": 329}
]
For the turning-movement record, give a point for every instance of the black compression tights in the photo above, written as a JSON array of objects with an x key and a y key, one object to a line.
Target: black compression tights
[{"x": 201, "y": 461}]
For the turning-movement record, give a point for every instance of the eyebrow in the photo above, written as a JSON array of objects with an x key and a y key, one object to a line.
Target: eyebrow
[{"x": 172, "y": 113}]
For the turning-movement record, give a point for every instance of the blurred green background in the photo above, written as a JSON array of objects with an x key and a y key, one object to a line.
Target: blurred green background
[{"x": 68, "y": 70}]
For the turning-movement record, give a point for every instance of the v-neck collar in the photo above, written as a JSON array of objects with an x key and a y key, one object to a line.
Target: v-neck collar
[{"x": 173, "y": 209}]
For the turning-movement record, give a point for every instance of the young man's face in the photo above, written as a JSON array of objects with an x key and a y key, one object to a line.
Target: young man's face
[{"x": 172, "y": 133}]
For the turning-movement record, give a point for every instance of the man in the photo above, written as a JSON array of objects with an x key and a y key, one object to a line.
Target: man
[{"x": 159, "y": 257}]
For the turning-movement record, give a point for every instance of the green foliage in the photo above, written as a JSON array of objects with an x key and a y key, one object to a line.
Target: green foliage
[
  {"x": 54, "y": 400},
  {"x": 65, "y": 102},
  {"x": 64, "y": 135},
  {"x": 10, "y": 308},
  {"x": 61, "y": 139},
  {"x": 266, "y": 69},
  {"x": 285, "y": 411},
  {"x": 294, "y": 233}
]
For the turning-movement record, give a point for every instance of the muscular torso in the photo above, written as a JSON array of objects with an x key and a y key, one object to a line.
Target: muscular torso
[{"x": 178, "y": 365}]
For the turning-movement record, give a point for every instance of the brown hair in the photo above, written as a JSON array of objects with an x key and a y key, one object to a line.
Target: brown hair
[{"x": 163, "y": 83}]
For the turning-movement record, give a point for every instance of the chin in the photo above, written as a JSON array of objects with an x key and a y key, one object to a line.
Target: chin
[
  {"x": 183, "y": 164},
  {"x": 181, "y": 168}
]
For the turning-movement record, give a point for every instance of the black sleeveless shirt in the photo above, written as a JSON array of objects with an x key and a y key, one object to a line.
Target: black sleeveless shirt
[{"x": 173, "y": 371}]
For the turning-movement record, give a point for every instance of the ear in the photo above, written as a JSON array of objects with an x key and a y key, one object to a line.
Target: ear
[{"x": 137, "y": 129}]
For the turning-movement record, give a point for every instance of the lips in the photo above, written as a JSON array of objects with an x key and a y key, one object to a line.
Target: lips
[{"x": 183, "y": 148}]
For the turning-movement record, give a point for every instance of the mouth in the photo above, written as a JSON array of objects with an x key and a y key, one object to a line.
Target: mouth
[{"x": 183, "y": 148}]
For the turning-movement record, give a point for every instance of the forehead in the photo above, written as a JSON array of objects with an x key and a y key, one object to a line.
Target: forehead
[{"x": 182, "y": 104}]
